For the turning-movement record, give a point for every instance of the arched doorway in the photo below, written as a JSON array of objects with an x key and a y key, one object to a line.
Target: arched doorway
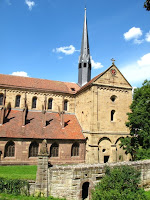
[
  {"x": 104, "y": 147},
  {"x": 85, "y": 191}
]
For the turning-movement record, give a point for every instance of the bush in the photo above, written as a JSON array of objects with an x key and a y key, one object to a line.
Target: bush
[
  {"x": 142, "y": 154},
  {"x": 119, "y": 183},
  {"x": 13, "y": 186}
]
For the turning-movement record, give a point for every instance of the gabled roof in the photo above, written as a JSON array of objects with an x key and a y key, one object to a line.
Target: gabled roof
[
  {"x": 38, "y": 84},
  {"x": 98, "y": 76},
  {"x": 12, "y": 128}
]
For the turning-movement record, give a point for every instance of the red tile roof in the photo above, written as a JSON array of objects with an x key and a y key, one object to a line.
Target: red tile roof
[
  {"x": 36, "y": 83},
  {"x": 12, "y": 128}
]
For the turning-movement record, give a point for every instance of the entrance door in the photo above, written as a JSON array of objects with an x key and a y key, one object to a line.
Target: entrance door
[{"x": 85, "y": 191}]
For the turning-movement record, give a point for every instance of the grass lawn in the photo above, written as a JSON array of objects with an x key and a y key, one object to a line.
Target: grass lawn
[
  {"x": 19, "y": 197},
  {"x": 148, "y": 194},
  {"x": 23, "y": 172}
]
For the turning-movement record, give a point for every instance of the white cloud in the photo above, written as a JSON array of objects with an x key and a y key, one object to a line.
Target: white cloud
[
  {"x": 96, "y": 65},
  {"x": 67, "y": 50},
  {"x": 133, "y": 33},
  {"x": 30, "y": 4},
  {"x": 147, "y": 38},
  {"x": 21, "y": 73},
  {"x": 136, "y": 41},
  {"x": 137, "y": 72},
  {"x": 144, "y": 60}
]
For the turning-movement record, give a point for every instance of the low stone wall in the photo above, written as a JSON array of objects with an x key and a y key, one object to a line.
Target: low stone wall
[{"x": 74, "y": 182}]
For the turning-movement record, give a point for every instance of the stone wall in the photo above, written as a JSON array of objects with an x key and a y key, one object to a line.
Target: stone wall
[{"x": 71, "y": 182}]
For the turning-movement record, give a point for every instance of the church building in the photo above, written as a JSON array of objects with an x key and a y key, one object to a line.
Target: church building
[{"x": 81, "y": 122}]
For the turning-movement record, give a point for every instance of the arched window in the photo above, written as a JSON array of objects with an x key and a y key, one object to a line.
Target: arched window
[
  {"x": 65, "y": 105},
  {"x": 33, "y": 149},
  {"x": 34, "y": 102},
  {"x": 10, "y": 149},
  {"x": 112, "y": 115},
  {"x": 50, "y": 102},
  {"x": 54, "y": 150},
  {"x": 1, "y": 99},
  {"x": 75, "y": 149},
  {"x": 17, "y": 103}
]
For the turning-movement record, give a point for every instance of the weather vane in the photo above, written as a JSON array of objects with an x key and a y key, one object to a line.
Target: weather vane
[{"x": 113, "y": 61}]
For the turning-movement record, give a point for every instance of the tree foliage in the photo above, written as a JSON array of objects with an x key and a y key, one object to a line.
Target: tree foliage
[
  {"x": 147, "y": 5},
  {"x": 139, "y": 122},
  {"x": 119, "y": 183}
]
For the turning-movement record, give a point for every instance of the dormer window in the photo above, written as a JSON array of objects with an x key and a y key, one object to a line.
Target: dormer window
[{"x": 73, "y": 89}]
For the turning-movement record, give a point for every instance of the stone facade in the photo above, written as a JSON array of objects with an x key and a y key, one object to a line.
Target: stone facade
[
  {"x": 79, "y": 180},
  {"x": 100, "y": 107}
]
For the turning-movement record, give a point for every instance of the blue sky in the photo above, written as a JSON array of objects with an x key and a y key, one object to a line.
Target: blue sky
[{"x": 42, "y": 38}]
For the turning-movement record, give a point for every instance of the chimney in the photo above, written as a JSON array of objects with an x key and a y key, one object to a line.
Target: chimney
[
  {"x": 62, "y": 119},
  {"x": 2, "y": 115},
  {"x": 44, "y": 112},
  {"x": 25, "y": 111},
  {"x": 3, "y": 109}
]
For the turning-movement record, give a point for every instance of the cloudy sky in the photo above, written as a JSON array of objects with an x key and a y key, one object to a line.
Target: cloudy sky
[{"x": 42, "y": 38}]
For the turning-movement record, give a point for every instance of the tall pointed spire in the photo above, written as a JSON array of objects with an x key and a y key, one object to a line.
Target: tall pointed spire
[{"x": 84, "y": 69}]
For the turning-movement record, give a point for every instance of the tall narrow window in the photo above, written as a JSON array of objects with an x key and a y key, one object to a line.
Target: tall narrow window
[
  {"x": 54, "y": 150},
  {"x": 75, "y": 149},
  {"x": 34, "y": 102},
  {"x": 65, "y": 105},
  {"x": 1, "y": 99},
  {"x": 33, "y": 149},
  {"x": 17, "y": 103},
  {"x": 50, "y": 102},
  {"x": 112, "y": 115},
  {"x": 10, "y": 149}
]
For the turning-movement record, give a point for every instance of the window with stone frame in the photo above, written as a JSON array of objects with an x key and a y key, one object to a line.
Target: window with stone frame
[
  {"x": 34, "y": 102},
  {"x": 33, "y": 149},
  {"x": 112, "y": 115},
  {"x": 65, "y": 105},
  {"x": 75, "y": 149},
  {"x": 50, "y": 103},
  {"x": 10, "y": 149},
  {"x": 17, "y": 103},
  {"x": 54, "y": 150},
  {"x": 1, "y": 99}
]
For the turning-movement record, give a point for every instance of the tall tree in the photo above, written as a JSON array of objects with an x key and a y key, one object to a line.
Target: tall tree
[
  {"x": 147, "y": 5},
  {"x": 138, "y": 121}
]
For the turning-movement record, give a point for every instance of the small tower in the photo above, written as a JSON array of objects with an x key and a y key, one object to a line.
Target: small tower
[{"x": 84, "y": 67}]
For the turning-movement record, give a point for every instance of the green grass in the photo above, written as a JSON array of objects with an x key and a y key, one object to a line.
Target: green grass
[
  {"x": 23, "y": 172},
  {"x": 148, "y": 194},
  {"x": 20, "y": 197}
]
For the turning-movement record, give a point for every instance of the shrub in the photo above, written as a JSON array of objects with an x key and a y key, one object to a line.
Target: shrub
[
  {"x": 119, "y": 183},
  {"x": 14, "y": 186}
]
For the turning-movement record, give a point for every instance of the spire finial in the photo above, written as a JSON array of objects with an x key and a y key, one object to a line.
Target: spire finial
[{"x": 113, "y": 61}]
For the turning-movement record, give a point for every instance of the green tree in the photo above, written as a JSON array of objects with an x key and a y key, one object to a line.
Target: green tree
[
  {"x": 147, "y": 5},
  {"x": 139, "y": 123},
  {"x": 119, "y": 183}
]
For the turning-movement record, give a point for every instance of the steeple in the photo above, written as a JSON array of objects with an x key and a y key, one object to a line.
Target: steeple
[{"x": 84, "y": 68}]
